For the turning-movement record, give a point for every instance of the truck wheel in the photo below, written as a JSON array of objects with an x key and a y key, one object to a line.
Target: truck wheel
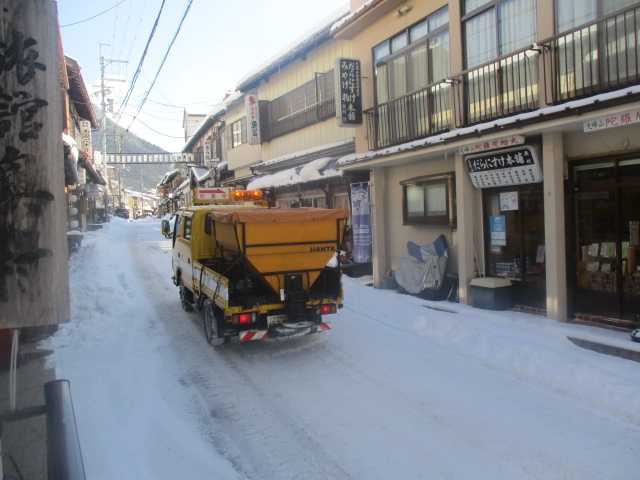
[
  {"x": 186, "y": 298},
  {"x": 212, "y": 324}
]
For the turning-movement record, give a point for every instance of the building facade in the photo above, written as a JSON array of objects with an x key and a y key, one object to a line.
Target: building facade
[{"x": 509, "y": 127}]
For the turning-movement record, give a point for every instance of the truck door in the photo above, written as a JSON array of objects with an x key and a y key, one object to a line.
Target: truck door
[{"x": 182, "y": 252}]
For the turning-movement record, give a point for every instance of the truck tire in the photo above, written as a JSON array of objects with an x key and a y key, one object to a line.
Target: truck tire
[
  {"x": 186, "y": 299},
  {"x": 212, "y": 324}
]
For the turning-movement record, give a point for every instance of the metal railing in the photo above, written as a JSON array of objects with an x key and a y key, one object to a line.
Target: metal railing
[
  {"x": 594, "y": 58},
  {"x": 502, "y": 87},
  {"x": 310, "y": 115},
  {"x": 419, "y": 114},
  {"x": 64, "y": 455}
]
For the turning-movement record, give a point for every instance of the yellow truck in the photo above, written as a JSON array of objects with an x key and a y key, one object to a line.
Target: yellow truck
[{"x": 257, "y": 272}]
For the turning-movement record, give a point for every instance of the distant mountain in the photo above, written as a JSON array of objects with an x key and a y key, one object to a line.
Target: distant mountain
[{"x": 134, "y": 177}]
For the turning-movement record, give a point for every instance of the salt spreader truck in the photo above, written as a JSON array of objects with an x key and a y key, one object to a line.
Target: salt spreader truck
[{"x": 257, "y": 272}]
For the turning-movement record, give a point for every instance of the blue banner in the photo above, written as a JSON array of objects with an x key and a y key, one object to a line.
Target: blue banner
[{"x": 361, "y": 222}]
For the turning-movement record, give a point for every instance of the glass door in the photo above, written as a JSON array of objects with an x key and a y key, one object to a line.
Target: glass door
[
  {"x": 596, "y": 237},
  {"x": 515, "y": 241},
  {"x": 629, "y": 174}
]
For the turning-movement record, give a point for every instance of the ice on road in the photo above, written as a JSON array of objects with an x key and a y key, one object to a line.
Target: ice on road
[{"x": 395, "y": 390}]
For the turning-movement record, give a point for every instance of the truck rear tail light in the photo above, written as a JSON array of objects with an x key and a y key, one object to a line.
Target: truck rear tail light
[
  {"x": 327, "y": 309},
  {"x": 245, "y": 318}
]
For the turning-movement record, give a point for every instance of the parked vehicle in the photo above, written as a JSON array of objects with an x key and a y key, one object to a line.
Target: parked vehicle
[
  {"x": 257, "y": 272},
  {"x": 121, "y": 212}
]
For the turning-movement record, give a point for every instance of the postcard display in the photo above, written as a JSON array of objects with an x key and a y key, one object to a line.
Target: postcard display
[{"x": 599, "y": 263}]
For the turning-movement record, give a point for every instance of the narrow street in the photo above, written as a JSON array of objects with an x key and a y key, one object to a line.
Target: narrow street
[{"x": 395, "y": 390}]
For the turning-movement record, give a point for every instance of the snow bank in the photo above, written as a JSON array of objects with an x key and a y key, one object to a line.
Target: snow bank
[
  {"x": 529, "y": 347},
  {"x": 135, "y": 420}
]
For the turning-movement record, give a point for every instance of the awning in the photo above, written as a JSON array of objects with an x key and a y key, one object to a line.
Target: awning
[
  {"x": 168, "y": 177},
  {"x": 94, "y": 175},
  {"x": 277, "y": 215},
  {"x": 320, "y": 169}
]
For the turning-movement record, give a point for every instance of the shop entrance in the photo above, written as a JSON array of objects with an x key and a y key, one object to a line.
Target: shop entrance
[
  {"x": 514, "y": 231},
  {"x": 606, "y": 207}
]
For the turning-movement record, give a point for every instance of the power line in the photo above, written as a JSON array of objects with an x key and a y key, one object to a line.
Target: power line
[
  {"x": 164, "y": 59},
  {"x": 94, "y": 16},
  {"x": 153, "y": 129},
  {"x": 127, "y": 96}
]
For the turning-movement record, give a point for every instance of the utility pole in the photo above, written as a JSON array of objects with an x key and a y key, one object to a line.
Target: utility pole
[{"x": 104, "y": 63}]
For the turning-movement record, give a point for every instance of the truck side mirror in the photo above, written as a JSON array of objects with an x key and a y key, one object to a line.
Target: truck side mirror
[{"x": 165, "y": 228}]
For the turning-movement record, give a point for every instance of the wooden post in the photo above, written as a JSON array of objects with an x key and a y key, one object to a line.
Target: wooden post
[{"x": 34, "y": 286}]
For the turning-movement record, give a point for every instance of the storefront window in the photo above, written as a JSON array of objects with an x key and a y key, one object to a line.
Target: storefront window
[
  {"x": 607, "y": 236},
  {"x": 427, "y": 201}
]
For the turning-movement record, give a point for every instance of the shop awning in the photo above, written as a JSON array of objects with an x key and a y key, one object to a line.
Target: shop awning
[
  {"x": 319, "y": 169},
  {"x": 94, "y": 175}
]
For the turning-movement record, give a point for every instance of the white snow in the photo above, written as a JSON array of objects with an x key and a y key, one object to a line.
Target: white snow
[
  {"x": 514, "y": 119},
  {"x": 201, "y": 173},
  {"x": 368, "y": 4},
  {"x": 309, "y": 172},
  {"x": 395, "y": 390},
  {"x": 73, "y": 146},
  {"x": 303, "y": 153}
]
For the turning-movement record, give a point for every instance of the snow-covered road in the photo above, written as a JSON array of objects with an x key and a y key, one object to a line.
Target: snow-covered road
[{"x": 395, "y": 390}]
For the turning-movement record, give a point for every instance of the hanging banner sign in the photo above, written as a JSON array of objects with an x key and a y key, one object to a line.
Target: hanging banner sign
[
  {"x": 252, "y": 111},
  {"x": 349, "y": 92},
  {"x": 514, "y": 166},
  {"x": 492, "y": 144},
  {"x": 85, "y": 138},
  {"x": 612, "y": 121},
  {"x": 361, "y": 221}
]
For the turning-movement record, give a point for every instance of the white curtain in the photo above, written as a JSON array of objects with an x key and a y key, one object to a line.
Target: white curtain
[
  {"x": 572, "y": 13},
  {"x": 517, "y": 19},
  {"x": 480, "y": 36}
]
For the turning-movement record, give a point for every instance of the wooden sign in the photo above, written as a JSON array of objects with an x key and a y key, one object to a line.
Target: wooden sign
[{"x": 34, "y": 284}]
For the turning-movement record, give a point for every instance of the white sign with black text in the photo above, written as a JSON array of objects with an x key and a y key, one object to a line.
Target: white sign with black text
[
  {"x": 508, "y": 201},
  {"x": 252, "y": 111},
  {"x": 503, "y": 168}
]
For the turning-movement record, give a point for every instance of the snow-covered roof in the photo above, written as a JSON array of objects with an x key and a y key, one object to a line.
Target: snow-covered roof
[
  {"x": 170, "y": 175},
  {"x": 200, "y": 174},
  {"x": 319, "y": 169},
  {"x": 222, "y": 165},
  {"x": 494, "y": 124},
  {"x": 70, "y": 142},
  {"x": 357, "y": 13},
  {"x": 216, "y": 112},
  {"x": 305, "y": 153},
  {"x": 299, "y": 47}
]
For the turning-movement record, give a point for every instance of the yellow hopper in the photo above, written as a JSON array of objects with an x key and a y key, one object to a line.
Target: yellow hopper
[{"x": 277, "y": 242}]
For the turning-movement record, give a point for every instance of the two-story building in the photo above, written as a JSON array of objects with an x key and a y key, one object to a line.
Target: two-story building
[
  {"x": 511, "y": 127},
  {"x": 300, "y": 135}
]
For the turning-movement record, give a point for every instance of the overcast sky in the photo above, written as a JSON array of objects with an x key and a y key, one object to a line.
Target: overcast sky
[{"x": 220, "y": 42}]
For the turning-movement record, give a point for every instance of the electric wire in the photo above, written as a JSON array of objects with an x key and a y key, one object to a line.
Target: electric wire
[
  {"x": 127, "y": 96},
  {"x": 164, "y": 59},
  {"x": 94, "y": 16}
]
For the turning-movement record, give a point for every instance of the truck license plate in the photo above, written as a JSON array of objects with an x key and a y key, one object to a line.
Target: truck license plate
[{"x": 276, "y": 319}]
